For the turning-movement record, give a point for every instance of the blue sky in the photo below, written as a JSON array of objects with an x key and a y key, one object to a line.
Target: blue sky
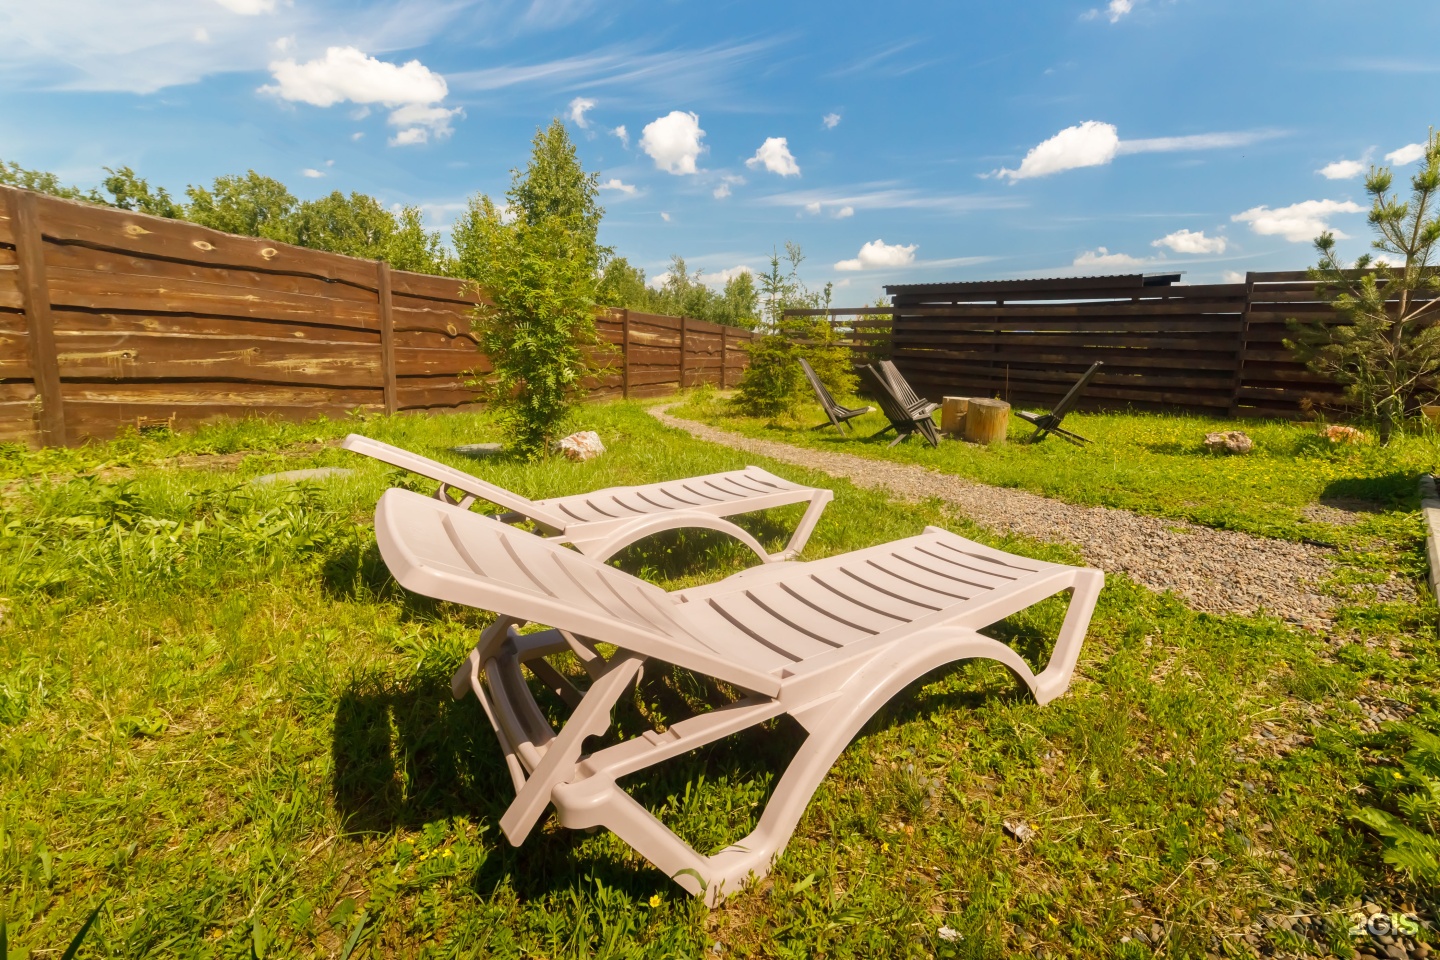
[{"x": 906, "y": 142}]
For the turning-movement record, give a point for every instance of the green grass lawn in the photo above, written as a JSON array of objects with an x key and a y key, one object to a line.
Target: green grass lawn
[
  {"x": 1156, "y": 464},
  {"x": 220, "y": 719}
]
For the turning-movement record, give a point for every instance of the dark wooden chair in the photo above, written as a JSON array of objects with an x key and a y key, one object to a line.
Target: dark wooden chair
[
  {"x": 837, "y": 414},
  {"x": 903, "y": 420},
  {"x": 915, "y": 403},
  {"x": 1048, "y": 423}
]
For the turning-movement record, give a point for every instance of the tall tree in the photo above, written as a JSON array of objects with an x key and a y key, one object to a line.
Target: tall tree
[
  {"x": 537, "y": 262},
  {"x": 130, "y": 192},
  {"x": 1386, "y": 348},
  {"x": 252, "y": 205}
]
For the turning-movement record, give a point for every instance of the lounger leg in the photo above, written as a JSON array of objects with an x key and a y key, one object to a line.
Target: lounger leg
[
  {"x": 801, "y": 536},
  {"x": 1055, "y": 678},
  {"x": 898, "y": 438},
  {"x": 880, "y": 433}
]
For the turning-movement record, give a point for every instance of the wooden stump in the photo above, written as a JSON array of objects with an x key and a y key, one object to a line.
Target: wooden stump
[
  {"x": 986, "y": 420},
  {"x": 952, "y": 414}
]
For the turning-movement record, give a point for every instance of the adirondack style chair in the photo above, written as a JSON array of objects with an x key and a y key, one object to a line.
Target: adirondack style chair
[
  {"x": 903, "y": 420},
  {"x": 912, "y": 400},
  {"x": 828, "y": 642},
  {"x": 602, "y": 523},
  {"x": 838, "y": 415},
  {"x": 1048, "y": 423}
]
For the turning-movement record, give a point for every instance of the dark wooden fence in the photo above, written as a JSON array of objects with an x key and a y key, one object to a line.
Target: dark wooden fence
[
  {"x": 1214, "y": 348},
  {"x": 110, "y": 318}
]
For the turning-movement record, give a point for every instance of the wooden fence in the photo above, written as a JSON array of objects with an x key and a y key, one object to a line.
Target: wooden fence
[
  {"x": 110, "y": 318},
  {"x": 1214, "y": 348}
]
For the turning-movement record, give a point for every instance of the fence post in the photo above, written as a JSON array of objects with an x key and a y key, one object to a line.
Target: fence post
[
  {"x": 625, "y": 353},
  {"x": 683, "y": 325},
  {"x": 35, "y": 299},
  {"x": 387, "y": 336},
  {"x": 1242, "y": 346},
  {"x": 724, "y": 356}
]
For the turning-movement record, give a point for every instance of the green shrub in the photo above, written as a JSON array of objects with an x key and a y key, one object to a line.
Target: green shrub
[{"x": 1408, "y": 829}]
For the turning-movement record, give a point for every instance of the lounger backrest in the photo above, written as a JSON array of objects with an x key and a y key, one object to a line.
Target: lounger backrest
[
  {"x": 475, "y": 560},
  {"x": 460, "y": 480},
  {"x": 818, "y": 385},
  {"x": 1071, "y": 398},
  {"x": 890, "y": 405},
  {"x": 903, "y": 391}
]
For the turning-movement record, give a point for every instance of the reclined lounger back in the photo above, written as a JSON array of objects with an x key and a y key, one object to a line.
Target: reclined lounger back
[
  {"x": 828, "y": 642},
  {"x": 603, "y": 522}
]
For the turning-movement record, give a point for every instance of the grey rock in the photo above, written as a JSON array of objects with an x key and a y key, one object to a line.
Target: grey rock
[
  {"x": 478, "y": 450},
  {"x": 297, "y": 476}
]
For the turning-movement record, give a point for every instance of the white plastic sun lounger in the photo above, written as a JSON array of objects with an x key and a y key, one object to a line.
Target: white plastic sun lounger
[
  {"x": 601, "y": 523},
  {"x": 827, "y": 642}
]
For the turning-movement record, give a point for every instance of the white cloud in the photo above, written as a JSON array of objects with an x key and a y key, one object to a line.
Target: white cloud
[
  {"x": 347, "y": 74},
  {"x": 1232, "y": 276},
  {"x": 312, "y": 173},
  {"x": 673, "y": 142},
  {"x": 248, "y": 8},
  {"x": 1342, "y": 170},
  {"x": 202, "y": 35},
  {"x": 1094, "y": 144},
  {"x": 344, "y": 73},
  {"x": 664, "y": 216},
  {"x": 844, "y": 212},
  {"x": 357, "y": 135},
  {"x": 576, "y": 111},
  {"x": 1299, "y": 222},
  {"x": 419, "y": 122},
  {"x": 1406, "y": 154},
  {"x": 813, "y": 208},
  {"x": 878, "y": 254},
  {"x": 1118, "y": 9},
  {"x": 726, "y": 182},
  {"x": 725, "y": 276},
  {"x": 1091, "y": 144},
  {"x": 623, "y": 134},
  {"x": 660, "y": 279},
  {"x": 614, "y": 183},
  {"x": 774, "y": 155},
  {"x": 1101, "y": 258},
  {"x": 831, "y": 121},
  {"x": 1191, "y": 241}
]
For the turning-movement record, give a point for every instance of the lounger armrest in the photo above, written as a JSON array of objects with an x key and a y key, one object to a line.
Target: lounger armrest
[{"x": 450, "y": 477}]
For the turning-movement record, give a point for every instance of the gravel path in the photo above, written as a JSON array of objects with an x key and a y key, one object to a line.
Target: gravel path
[{"x": 1216, "y": 571}]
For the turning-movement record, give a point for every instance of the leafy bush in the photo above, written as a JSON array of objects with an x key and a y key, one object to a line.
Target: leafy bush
[
  {"x": 1409, "y": 832},
  {"x": 539, "y": 272}
]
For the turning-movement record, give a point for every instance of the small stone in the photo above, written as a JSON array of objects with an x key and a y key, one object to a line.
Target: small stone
[
  {"x": 1370, "y": 909},
  {"x": 1020, "y": 830},
  {"x": 1396, "y": 952},
  {"x": 584, "y": 445},
  {"x": 1230, "y": 441},
  {"x": 948, "y": 934},
  {"x": 1421, "y": 950},
  {"x": 1339, "y": 434}
]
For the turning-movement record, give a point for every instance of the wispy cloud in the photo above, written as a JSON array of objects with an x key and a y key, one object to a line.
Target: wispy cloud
[
  {"x": 886, "y": 196},
  {"x": 886, "y": 61},
  {"x": 676, "y": 73}
]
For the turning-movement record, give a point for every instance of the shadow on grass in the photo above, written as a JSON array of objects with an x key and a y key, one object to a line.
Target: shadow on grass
[
  {"x": 1389, "y": 491},
  {"x": 405, "y": 754}
]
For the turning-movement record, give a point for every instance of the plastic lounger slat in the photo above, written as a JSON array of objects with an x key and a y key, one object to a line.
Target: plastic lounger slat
[
  {"x": 776, "y": 609},
  {"x": 931, "y": 570},
  {"x": 872, "y": 603},
  {"x": 833, "y": 615},
  {"x": 759, "y": 620},
  {"x": 699, "y": 493},
  {"x": 860, "y": 578},
  {"x": 958, "y": 560},
  {"x": 915, "y": 580},
  {"x": 758, "y": 638},
  {"x": 539, "y": 584}
]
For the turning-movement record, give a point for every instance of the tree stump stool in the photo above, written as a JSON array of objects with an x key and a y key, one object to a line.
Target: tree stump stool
[
  {"x": 952, "y": 415},
  {"x": 986, "y": 420}
]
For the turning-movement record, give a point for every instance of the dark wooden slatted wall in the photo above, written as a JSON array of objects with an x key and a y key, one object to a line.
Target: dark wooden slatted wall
[
  {"x": 1204, "y": 348},
  {"x": 110, "y": 318}
]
